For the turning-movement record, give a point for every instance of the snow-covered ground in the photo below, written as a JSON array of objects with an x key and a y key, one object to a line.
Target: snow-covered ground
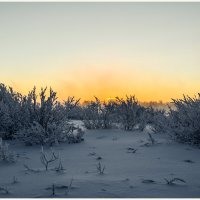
[{"x": 127, "y": 174}]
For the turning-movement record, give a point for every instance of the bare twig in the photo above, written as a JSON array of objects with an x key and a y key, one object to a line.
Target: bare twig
[
  {"x": 60, "y": 167},
  {"x": 45, "y": 161},
  {"x": 100, "y": 168},
  {"x": 70, "y": 186},
  {"x": 131, "y": 150},
  {"x": 4, "y": 189},
  {"x": 172, "y": 181},
  {"x": 15, "y": 180},
  {"x": 53, "y": 190},
  {"x": 152, "y": 140},
  {"x": 30, "y": 169}
]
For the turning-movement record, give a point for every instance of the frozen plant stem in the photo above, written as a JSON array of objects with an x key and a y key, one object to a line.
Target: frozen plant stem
[
  {"x": 53, "y": 189},
  {"x": 4, "y": 189},
  {"x": 100, "y": 168},
  {"x": 70, "y": 186},
  {"x": 151, "y": 139},
  {"x": 172, "y": 181},
  {"x": 60, "y": 167},
  {"x": 15, "y": 180}
]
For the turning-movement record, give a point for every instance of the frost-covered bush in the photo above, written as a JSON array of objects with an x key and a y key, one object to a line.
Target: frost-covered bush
[
  {"x": 129, "y": 112},
  {"x": 108, "y": 113},
  {"x": 72, "y": 108},
  {"x": 104, "y": 115},
  {"x": 184, "y": 120},
  {"x": 47, "y": 119},
  {"x": 5, "y": 153},
  {"x": 144, "y": 117},
  {"x": 75, "y": 134},
  {"x": 47, "y": 110},
  {"x": 92, "y": 118},
  {"x": 35, "y": 134},
  {"x": 76, "y": 113},
  {"x": 5, "y": 120},
  {"x": 54, "y": 134},
  {"x": 98, "y": 115},
  {"x": 181, "y": 122},
  {"x": 34, "y": 119},
  {"x": 158, "y": 119},
  {"x": 40, "y": 117},
  {"x": 10, "y": 112}
]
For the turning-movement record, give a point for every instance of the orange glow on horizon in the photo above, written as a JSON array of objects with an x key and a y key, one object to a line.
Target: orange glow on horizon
[
  {"x": 109, "y": 82},
  {"x": 106, "y": 94}
]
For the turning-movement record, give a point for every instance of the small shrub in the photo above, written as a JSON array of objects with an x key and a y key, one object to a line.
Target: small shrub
[
  {"x": 129, "y": 112},
  {"x": 74, "y": 134},
  {"x": 98, "y": 115},
  {"x": 35, "y": 134},
  {"x": 64, "y": 132},
  {"x": 72, "y": 108},
  {"x": 10, "y": 111},
  {"x": 108, "y": 113},
  {"x": 45, "y": 160},
  {"x": 158, "y": 120},
  {"x": 184, "y": 120},
  {"x": 92, "y": 117}
]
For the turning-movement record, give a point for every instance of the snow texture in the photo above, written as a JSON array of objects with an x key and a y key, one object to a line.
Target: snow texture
[{"x": 127, "y": 173}]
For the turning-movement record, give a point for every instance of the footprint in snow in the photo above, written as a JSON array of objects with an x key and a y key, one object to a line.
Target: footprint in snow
[
  {"x": 148, "y": 181},
  {"x": 126, "y": 179},
  {"x": 131, "y": 150},
  {"x": 92, "y": 147},
  {"x": 189, "y": 161},
  {"x": 100, "y": 137},
  {"x": 99, "y": 158},
  {"x": 115, "y": 138},
  {"x": 92, "y": 154},
  {"x": 188, "y": 149}
]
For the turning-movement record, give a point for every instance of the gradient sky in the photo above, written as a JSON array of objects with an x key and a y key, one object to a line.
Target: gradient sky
[{"x": 151, "y": 50}]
